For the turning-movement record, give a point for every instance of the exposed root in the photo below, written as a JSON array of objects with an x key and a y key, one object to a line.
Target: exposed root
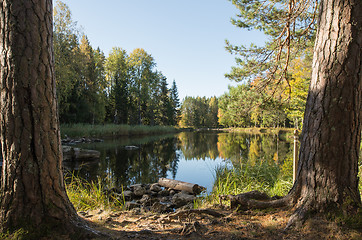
[
  {"x": 256, "y": 200},
  {"x": 297, "y": 219},
  {"x": 196, "y": 211}
]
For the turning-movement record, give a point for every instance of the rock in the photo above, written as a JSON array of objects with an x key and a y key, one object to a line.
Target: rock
[
  {"x": 78, "y": 154},
  {"x": 182, "y": 199},
  {"x": 70, "y": 141},
  {"x": 165, "y": 199},
  {"x": 128, "y": 195},
  {"x": 131, "y": 148},
  {"x": 146, "y": 200},
  {"x": 155, "y": 187},
  {"x": 153, "y": 194},
  {"x": 160, "y": 207},
  {"x": 138, "y": 190},
  {"x": 136, "y": 211},
  {"x": 131, "y": 205},
  {"x": 164, "y": 192}
]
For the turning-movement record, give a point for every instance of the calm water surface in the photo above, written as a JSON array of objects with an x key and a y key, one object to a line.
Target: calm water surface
[{"x": 187, "y": 156}]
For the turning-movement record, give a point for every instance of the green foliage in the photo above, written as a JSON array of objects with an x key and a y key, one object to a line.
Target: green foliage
[
  {"x": 122, "y": 89},
  {"x": 243, "y": 106},
  {"x": 119, "y": 86},
  {"x": 290, "y": 28},
  {"x": 66, "y": 51},
  {"x": 199, "y": 112},
  {"x": 175, "y": 104},
  {"x": 281, "y": 68}
]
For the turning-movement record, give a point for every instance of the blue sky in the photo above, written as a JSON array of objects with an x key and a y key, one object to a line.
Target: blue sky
[{"x": 186, "y": 38}]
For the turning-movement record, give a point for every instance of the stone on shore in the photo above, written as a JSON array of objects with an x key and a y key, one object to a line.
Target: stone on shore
[{"x": 78, "y": 154}]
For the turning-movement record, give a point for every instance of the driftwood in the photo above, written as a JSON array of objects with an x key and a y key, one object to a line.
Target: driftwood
[{"x": 181, "y": 186}]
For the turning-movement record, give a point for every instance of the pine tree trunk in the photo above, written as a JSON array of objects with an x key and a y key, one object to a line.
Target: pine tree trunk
[
  {"x": 328, "y": 160},
  {"x": 32, "y": 187}
]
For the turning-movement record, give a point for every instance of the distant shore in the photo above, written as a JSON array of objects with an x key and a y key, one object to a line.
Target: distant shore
[{"x": 112, "y": 130}]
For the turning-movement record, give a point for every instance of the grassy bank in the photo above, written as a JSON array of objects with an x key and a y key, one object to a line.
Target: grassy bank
[
  {"x": 90, "y": 195},
  {"x": 265, "y": 176},
  {"x": 110, "y": 130}
]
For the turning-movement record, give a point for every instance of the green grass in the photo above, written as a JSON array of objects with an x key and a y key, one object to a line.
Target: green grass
[
  {"x": 90, "y": 195},
  {"x": 110, "y": 130},
  {"x": 263, "y": 176}
]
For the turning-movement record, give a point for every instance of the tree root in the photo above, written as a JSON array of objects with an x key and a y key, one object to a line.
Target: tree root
[
  {"x": 187, "y": 213},
  {"x": 256, "y": 200}
]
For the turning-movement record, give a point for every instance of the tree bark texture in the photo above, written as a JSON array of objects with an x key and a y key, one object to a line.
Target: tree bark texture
[
  {"x": 32, "y": 187},
  {"x": 328, "y": 161}
]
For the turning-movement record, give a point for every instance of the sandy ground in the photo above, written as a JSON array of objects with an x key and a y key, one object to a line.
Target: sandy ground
[{"x": 213, "y": 224}]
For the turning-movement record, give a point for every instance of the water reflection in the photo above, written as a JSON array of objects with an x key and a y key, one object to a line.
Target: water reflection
[{"x": 186, "y": 156}]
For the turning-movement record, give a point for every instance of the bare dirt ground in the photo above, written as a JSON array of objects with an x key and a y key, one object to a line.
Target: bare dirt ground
[{"x": 198, "y": 224}]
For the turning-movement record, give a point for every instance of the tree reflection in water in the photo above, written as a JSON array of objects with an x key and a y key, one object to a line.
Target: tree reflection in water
[{"x": 163, "y": 155}]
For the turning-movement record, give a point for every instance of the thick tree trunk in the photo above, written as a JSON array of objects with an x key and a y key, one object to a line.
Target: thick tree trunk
[
  {"x": 32, "y": 187},
  {"x": 328, "y": 160}
]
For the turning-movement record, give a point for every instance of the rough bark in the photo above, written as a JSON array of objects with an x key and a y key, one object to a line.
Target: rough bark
[
  {"x": 327, "y": 178},
  {"x": 32, "y": 188},
  {"x": 328, "y": 161}
]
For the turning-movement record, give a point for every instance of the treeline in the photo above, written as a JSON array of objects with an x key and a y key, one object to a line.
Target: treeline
[
  {"x": 199, "y": 112},
  {"x": 253, "y": 105},
  {"x": 122, "y": 88}
]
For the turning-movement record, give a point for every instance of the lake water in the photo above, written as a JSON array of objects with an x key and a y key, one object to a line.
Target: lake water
[{"x": 187, "y": 156}]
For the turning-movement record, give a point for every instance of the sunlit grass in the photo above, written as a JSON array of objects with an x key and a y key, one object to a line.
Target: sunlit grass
[
  {"x": 109, "y": 130},
  {"x": 265, "y": 176},
  {"x": 90, "y": 195}
]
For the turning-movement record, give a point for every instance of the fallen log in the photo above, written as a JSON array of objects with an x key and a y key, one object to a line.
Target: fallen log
[{"x": 181, "y": 186}]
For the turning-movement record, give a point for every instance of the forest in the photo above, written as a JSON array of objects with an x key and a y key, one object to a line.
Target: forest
[{"x": 124, "y": 88}]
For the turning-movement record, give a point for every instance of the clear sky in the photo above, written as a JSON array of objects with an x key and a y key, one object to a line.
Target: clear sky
[{"x": 186, "y": 38}]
